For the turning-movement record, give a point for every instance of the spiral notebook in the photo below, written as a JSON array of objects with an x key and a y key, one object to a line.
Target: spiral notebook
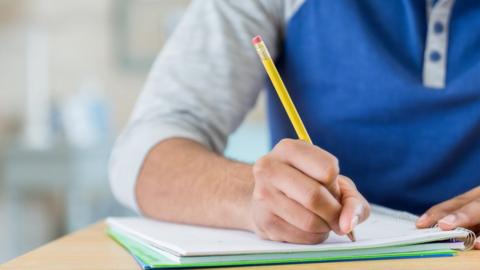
[{"x": 386, "y": 234}]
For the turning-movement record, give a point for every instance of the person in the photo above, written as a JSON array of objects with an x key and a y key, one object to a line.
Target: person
[{"x": 389, "y": 91}]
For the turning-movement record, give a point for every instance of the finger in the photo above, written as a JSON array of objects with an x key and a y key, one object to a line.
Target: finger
[
  {"x": 355, "y": 207},
  {"x": 439, "y": 211},
  {"x": 296, "y": 215},
  {"x": 467, "y": 216},
  {"x": 311, "y": 160},
  {"x": 302, "y": 189},
  {"x": 279, "y": 230},
  {"x": 477, "y": 243}
]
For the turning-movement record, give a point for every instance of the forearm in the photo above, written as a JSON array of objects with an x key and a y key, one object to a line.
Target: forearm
[
  {"x": 182, "y": 181},
  {"x": 174, "y": 103}
]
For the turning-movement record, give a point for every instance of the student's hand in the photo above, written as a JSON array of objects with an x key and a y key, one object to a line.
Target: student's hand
[
  {"x": 461, "y": 211},
  {"x": 299, "y": 196}
]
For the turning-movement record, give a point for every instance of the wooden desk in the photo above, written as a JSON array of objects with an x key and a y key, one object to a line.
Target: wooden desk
[{"x": 91, "y": 249}]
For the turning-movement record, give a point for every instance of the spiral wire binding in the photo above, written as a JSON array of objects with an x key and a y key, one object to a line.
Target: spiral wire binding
[{"x": 468, "y": 241}]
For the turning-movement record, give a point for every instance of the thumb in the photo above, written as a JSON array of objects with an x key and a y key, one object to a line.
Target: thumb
[{"x": 355, "y": 207}]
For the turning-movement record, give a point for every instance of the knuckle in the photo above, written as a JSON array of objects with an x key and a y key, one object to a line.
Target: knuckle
[
  {"x": 311, "y": 223},
  {"x": 313, "y": 199},
  {"x": 434, "y": 211},
  {"x": 462, "y": 199},
  {"x": 331, "y": 170},
  {"x": 286, "y": 145},
  {"x": 464, "y": 217},
  {"x": 349, "y": 181},
  {"x": 431, "y": 211},
  {"x": 320, "y": 237},
  {"x": 334, "y": 161},
  {"x": 262, "y": 168},
  {"x": 269, "y": 222},
  {"x": 312, "y": 239},
  {"x": 261, "y": 193}
]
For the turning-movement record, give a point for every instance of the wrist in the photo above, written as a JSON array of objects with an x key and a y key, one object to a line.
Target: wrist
[{"x": 240, "y": 177}]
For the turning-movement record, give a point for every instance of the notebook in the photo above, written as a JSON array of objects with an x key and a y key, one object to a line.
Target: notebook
[{"x": 386, "y": 234}]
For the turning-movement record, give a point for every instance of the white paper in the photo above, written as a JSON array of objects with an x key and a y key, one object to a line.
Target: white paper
[{"x": 186, "y": 240}]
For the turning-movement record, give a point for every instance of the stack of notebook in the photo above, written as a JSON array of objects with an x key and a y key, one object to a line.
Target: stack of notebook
[{"x": 386, "y": 234}]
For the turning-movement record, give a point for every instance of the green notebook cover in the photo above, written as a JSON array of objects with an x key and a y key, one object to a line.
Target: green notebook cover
[{"x": 148, "y": 258}]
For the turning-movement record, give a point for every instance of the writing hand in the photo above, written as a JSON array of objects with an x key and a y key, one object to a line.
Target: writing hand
[{"x": 299, "y": 195}]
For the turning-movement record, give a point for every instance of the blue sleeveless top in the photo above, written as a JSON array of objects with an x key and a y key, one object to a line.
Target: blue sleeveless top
[{"x": 354, "y": 71}]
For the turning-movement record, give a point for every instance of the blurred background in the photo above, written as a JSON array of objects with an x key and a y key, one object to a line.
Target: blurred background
[{"x": 70, "y": 72}]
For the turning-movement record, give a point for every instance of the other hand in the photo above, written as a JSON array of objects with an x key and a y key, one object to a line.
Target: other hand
[
  {"x": 461, "y": 211},
  {"x": 299, "y": 195}
]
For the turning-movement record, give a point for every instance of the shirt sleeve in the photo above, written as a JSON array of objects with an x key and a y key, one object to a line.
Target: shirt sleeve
[{"x": 202, "y": 84}]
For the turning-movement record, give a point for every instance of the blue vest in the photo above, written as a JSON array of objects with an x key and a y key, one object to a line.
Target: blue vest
[{"x": 354, "y": 71}]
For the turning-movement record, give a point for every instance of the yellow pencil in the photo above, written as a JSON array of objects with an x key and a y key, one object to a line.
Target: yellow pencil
[
  {"x": 281, "y": 89},
  {"x": 282, "y": 93}
]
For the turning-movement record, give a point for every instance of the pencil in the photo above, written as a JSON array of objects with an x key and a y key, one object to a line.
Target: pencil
[{"x": 282, "y": 93}]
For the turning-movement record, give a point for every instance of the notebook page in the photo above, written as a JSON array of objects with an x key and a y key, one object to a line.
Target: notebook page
[{"x": 185, "y": 240}]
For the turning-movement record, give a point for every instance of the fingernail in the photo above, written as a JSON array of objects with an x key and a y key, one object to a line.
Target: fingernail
[
  {"x": 449, "y": 220},
  {"x": 422, "y": 219},
  {"x": 358, "y": 210},
  {"x": 354, "y": 222}
]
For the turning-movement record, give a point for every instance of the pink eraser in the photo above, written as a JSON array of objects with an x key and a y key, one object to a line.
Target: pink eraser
[{"x": 256, "y": 40}]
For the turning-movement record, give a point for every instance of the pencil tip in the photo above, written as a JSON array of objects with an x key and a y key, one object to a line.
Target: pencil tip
[{"x": 351, "y": 236}]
